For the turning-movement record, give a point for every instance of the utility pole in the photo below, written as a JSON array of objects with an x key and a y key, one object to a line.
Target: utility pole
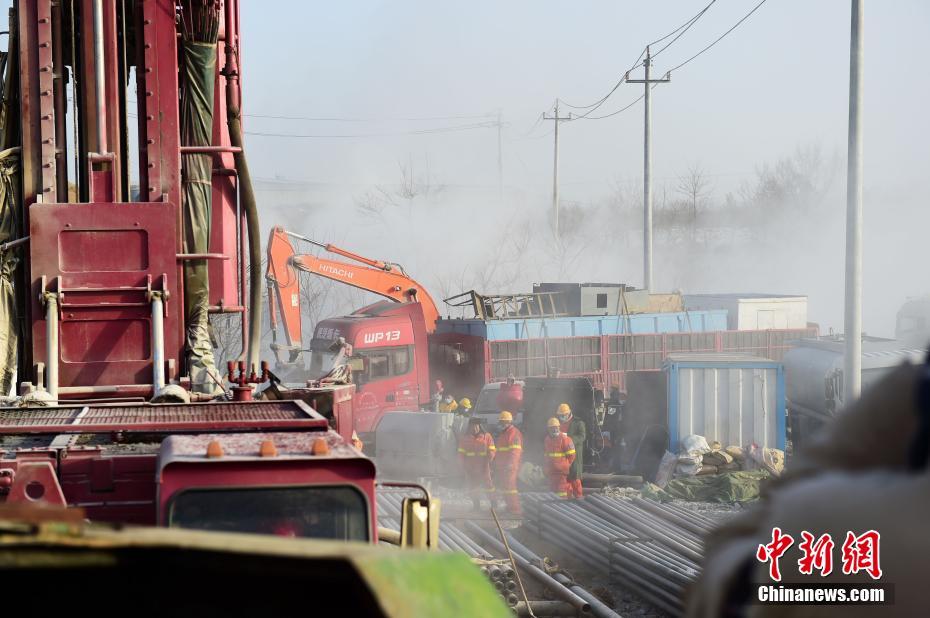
[
  {"x": 555, "y": 167},
  {"x": 647, "y": 169},
  {"x": 500, "y": 158},
  {"x": 852, "y": 363}
]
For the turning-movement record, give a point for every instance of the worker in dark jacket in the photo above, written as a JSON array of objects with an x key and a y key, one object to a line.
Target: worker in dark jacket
[
  {"x": 476, "y": 451},
  {"x": 575, "y": 429}
]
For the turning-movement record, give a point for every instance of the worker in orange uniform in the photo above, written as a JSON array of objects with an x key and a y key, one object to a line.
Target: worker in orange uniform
[
  {"x": 575, "y": 429},
  {"x": 509, "y": 445},
  {"x": 560, "y": 454},
  {"x": 476, "y": 451}
]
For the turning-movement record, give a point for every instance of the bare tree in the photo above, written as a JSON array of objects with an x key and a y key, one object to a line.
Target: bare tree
[
  {"x": 694, "y": 187},
  {"x": 373, "y": 203},
  {"x": 409, "y": 188},
  {"x": 499, "y": 268},
  {"x": 226, "y": 329}
]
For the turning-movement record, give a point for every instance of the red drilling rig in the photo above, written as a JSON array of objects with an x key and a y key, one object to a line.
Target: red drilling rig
[{"x": 127, "y": 219}]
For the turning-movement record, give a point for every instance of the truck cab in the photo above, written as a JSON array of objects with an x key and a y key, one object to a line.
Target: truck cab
[
  {"x": 267, "y": 467},
  {"x": 305, "y": 485},
  {"x": 391, "y": 341}
]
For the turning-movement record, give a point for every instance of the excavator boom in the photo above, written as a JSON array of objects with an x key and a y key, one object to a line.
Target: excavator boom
[{"x": 381, "y": 278}]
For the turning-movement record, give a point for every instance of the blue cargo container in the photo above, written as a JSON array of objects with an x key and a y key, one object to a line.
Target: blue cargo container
[
  {"x": 735, "y": 399},
  {"x": 587, "y": 326}
]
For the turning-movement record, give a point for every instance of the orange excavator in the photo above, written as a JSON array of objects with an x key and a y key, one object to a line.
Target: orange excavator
[{"x": 386, "y": 279}]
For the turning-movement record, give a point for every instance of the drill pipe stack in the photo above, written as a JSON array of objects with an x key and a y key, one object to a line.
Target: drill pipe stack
[
  {"x": 649, "y": 548},
  {"x": 453, "y": 538},
  {"x": 487, "y": 551}
]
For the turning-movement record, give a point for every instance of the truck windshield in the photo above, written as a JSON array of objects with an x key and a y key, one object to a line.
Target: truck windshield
[
  {"x": 321, "y": 362},
  {"x": 307, "y": 512},
  {"x": 321, "y": 358}
]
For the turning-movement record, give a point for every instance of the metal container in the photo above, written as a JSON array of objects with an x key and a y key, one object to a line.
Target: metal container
[
  {"x": 586, "y": 299},
  {"x": 735, "y": 399},
  {"x": 587, "y": 326},
  {"x": 814, "y": 370},
  {"x": 754, "y": 311},
  {"x": 913, "y": 323}
]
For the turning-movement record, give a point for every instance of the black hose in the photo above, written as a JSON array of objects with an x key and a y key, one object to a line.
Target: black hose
[{"x": 247, "y": 200}]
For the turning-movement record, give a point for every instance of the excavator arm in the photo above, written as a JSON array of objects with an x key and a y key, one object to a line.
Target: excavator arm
[
  {"x": 383, "y": 278},
  {"x": 283, "y": 296}
]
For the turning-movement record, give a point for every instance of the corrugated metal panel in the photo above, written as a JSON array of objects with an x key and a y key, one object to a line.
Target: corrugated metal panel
[
  {"x": 735, "y": 401},
  {"x": 588, "y": 326}
]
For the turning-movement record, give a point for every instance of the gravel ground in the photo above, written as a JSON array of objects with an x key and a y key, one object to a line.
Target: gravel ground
[{"x": 719, "y": 512}]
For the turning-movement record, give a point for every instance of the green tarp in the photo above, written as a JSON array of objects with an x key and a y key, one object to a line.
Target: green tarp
[
  {"x": 199, "y": 74},
  {"x": 727, "y": 487},
  {"x": 9, "y": 230}
]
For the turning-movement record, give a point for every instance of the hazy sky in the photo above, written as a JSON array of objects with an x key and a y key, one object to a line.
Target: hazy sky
[{"x": 778, "y": 81}]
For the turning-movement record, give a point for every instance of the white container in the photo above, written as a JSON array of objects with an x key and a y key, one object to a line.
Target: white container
[{"x": 754, "y": 311}]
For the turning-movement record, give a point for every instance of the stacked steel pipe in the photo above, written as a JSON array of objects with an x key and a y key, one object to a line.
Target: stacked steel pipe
[
  {"x": 452, "y": 538},
  {"x": 487, "y": 550},
  {"x": 650, "y": 548}
]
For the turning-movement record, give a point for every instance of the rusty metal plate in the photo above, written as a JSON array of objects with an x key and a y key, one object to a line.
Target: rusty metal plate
[
  {"x": 103, "y": 258},
  {"x": 13, "y": 417},
  {"x": 228, "y": 416}
]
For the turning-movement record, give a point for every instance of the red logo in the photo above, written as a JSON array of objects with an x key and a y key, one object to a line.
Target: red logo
[
  {"x": 860, "y": 553},
  {"x": 771, "y": 552},
  {"x": 817, "y": 554}
]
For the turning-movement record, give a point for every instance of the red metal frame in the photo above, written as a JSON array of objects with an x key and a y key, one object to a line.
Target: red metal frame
[
  {"x": 103, "y": 257},
  {"x": 105, "y": 313},
  {"x": 157, "y": 106},
  {"x": 611, "y": 366}
]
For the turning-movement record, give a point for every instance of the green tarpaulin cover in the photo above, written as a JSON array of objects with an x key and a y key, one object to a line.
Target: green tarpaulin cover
[
  {"x": 199, "y": 74},
  {"x": 727, "y": 487},
  {"x": 9, "y": 230}
]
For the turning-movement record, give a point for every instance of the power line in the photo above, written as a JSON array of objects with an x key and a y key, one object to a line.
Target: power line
[
  {"x": 680, "y": 30},
  {"x": 526, "y": 134},
  {"x": 387, "y": 119},
  {"x": 720, "y": 38},
  {"x": 621, "y": 110},
  {"x": 452, "y": 129},
  {"x": 547, "y": 134},
  {"x": 684, "y": 28},
  {"x": 686, "y": 25},
  {"x": 587, "y": 115},
  {"x": 363, "y": 119}
]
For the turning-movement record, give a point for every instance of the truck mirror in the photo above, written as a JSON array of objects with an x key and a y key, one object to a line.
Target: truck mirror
[{"x": 419, "y": 523}]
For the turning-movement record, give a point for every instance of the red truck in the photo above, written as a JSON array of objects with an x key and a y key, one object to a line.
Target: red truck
[
  {"x": 404, "y": 347},
  {"x": 262, "y": 467},
  {"x": 389, "y": 338}
]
